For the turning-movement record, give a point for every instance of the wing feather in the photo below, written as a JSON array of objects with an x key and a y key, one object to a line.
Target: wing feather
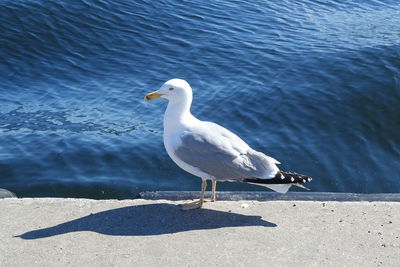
[{"x": 222, "y": 154}]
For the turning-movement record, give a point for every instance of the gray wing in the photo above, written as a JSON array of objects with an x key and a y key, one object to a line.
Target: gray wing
[{"x": 220, "y": 153}]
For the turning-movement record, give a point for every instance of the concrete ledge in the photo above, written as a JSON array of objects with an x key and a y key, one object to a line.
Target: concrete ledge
[
  {"x": 268, "y": 196},
  {"x": 6, "y": 194},
  {"x": 83, "y": 232}
]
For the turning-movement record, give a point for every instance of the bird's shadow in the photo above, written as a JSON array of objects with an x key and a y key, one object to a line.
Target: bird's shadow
[{"x": 152, "y": 219}]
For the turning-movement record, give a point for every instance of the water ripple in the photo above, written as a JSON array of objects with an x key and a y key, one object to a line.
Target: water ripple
[{"x": 313, "y": 83}]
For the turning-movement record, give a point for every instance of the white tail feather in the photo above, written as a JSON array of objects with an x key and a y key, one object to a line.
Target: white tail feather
[{"x": 280, "y": 188}]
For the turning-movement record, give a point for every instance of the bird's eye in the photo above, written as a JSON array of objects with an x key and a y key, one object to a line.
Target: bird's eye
[{"x": 171, "y": 88}]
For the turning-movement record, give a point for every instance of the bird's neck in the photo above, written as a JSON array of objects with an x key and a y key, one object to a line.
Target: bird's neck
[{"x": 177, "y": 115}]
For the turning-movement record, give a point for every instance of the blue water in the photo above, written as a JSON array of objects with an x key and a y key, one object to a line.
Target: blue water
[{"x": 315, "y": 84}]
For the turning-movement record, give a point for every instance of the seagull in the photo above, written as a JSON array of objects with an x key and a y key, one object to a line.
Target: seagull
[{"x": 212, "y": 152}]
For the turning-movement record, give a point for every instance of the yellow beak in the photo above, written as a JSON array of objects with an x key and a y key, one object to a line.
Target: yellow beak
[{"x": 152, "y": 96}]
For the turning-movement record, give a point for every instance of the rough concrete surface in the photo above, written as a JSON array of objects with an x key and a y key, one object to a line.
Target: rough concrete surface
[{"x": 82, "y": 232}]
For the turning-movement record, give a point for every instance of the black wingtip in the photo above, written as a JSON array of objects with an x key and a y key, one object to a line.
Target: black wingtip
[{"x": 282, "y": 178}]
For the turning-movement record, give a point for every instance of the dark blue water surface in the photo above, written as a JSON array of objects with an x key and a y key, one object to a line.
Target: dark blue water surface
[{"x": 314, "y": 84}]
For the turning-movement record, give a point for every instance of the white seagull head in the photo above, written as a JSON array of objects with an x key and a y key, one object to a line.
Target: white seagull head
[{"x": 175, "y": 90}]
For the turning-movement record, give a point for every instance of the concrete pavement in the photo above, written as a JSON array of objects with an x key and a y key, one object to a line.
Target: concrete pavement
[{"x": 82, "y": 232}]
